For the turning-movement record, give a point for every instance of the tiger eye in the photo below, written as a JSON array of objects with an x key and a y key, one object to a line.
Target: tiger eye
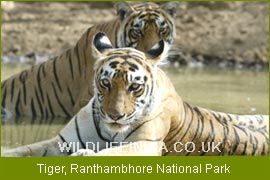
[
  {"x": 134, "y": 87},
  {"x": 137, "y": 32},
  {"x": 105, "y": 82},
  {"x": 163, "y": 29}
]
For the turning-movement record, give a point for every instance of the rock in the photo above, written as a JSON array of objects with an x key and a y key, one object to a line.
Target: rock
[
  {"x": 7, "y": 5},
  {"x": 16, "y": 48}
]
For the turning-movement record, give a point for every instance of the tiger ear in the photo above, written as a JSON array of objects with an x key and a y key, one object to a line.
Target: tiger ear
[
  {"x": 123, "y": 9},
  {"x": 170, "y": 8},
  {"x": 157, "y": 53},
  {"x": 100, "y": 43}
]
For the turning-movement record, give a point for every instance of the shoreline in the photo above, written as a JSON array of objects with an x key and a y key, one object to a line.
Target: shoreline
[{"x": 175, "y": 60}]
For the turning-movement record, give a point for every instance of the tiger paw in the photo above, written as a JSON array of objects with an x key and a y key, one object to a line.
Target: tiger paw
[{"x": 84, "y": 152}]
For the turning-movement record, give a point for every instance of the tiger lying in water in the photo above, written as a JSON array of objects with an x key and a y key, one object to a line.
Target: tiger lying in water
[
  {"x": 135, "y": 102},
  {"x": 61, "y": 86}
]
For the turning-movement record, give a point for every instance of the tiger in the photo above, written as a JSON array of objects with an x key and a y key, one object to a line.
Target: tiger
[
  {"x": 61, "y": 86},
  {"x": 135, "y": 105}
]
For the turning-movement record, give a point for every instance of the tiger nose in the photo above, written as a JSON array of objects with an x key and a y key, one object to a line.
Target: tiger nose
[{"x": 116, "y": 116}]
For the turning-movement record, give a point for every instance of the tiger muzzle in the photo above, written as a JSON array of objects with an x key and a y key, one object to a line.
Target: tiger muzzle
[{"x": 115, "y": 116}]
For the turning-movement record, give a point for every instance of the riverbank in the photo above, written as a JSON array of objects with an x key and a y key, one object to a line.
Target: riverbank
[{"x": 222, "y": 34}]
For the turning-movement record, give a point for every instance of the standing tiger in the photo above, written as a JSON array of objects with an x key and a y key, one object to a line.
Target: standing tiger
[
  {"x": 135, "y": 105},
  {"x": 61, "y": 86}
]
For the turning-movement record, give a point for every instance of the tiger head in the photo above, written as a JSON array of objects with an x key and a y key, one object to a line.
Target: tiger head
[
  {"x": 124, "y": 82},
  {"x": 145, "y": 24}
]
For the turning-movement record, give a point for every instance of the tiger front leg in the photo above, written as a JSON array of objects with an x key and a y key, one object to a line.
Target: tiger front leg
[
  {"x": 45, "y": 148},
  {"x": 145, "y": 141},
  {"x": 140, "y": 148},
  {"x": 84, "y": 152}
]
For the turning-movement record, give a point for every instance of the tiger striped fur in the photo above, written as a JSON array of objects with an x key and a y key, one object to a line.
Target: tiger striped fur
[
  {"x": 135, "y": 103},
  {"x": 61, "y": 86}
]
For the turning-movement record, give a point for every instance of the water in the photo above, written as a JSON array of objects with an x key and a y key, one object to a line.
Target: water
[{"x": 231, "y": 91}]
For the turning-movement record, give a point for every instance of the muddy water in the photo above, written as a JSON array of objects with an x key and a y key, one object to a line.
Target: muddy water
[{"x": 233, "y": 91}]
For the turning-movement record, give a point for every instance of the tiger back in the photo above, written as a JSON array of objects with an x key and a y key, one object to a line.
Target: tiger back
[{"x": 63, "y": 85}]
